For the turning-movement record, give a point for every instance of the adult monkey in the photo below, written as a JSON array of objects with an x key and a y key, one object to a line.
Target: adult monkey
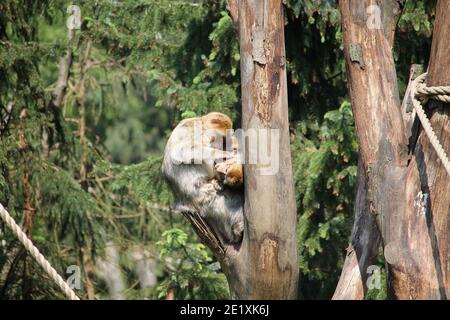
[{"x": 202, "y": 168}]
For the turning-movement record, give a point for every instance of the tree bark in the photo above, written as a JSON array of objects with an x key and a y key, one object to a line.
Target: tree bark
[
  {"x": 363, "y": 248},
  {"x": 374, "y": 95},
  {"x": 408, "y": 194},
  {"x": 63, "y": 73},
  {"x": 58, "y": 94},
  {"x": 233, "y": 9},
  {"x": 440, "y": 120},
  {"x": 265, "y": 265},
  {"x": 269, "y": 261},
  {"x": 422, "y": 270}
]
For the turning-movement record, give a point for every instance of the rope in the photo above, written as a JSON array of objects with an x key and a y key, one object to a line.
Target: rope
[
  {"x": 36, "y": 254},
  {"x": 421, "y": 91}
]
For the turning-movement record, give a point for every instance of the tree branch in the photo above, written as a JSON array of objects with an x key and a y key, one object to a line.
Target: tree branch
[
  {"x": 63, "y": 74},
  {"x": 58, "y": 95},
  {"x": 206, "y": 234}
]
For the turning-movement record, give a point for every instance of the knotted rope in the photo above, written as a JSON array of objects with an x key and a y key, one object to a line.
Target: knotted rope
[
  {"x": 420, "y": 93},
  {"x": 31, "y": 248}
]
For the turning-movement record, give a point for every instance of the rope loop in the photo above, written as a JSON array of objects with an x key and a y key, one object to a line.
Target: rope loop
[
  {"x": 420, "y": 94},
  {"x": 423, "y": 93}
]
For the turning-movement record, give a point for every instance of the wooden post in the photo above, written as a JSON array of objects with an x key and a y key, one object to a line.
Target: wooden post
[
  {"x": 269, "y": 247},
  {"x": 423, "y": 270},
  {"x": 363, "y": 248},
  {"x": 372, "y": 84},
  {"x": 407, "y": 187},
  {"x": 265, "y": 265}
]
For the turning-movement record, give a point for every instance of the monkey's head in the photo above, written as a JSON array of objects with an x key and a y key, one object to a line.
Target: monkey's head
[
  {"x": 217, "y": 120},
  {"x": 234, "y": 176},
  {"x": 219, "y": 128}
]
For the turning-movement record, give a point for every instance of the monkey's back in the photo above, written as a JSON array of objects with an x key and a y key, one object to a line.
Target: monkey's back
[{"x": 183, "y": 176}]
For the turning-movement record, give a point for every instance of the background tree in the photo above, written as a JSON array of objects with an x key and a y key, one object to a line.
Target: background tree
[{"x": 398, "y": 166}]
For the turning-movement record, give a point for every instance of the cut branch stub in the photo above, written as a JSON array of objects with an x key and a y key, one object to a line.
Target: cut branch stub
[{"x": 206, "y": 234}]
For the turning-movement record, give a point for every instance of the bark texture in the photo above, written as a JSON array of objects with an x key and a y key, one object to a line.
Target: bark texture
[
  {"x": 422, "y": 271},
  {"x": 265, "y": 265},
  {"x": 407, "y": 187},
  {"x": 233, "y": 11},
  {"x": 362, "y": 250},
  {"x": 372, "y": 84},
  {"x": 63, "y": 73},
  {"x": 269, "y": 268}
]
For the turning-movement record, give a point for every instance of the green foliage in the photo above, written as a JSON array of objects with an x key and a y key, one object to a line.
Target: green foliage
[
  {"x": 324, "y": 159},
  {"x": 413, "y": 38},
  {"x": 144, "y": 180},
  {"x": 82, "y": 221},
  {"x": 191, "y": 272}
]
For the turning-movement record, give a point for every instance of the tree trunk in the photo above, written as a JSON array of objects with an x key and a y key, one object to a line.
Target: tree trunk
[
  {"x": 58, "y": 94},
  {"x": 108, "y": 269},
  {"x": 84, "y": 65},
  {"x": 422, "y": 270},
  {"x": 408, "y": 195},
  {"x": 265, "y": 265},
  {"x": 362, "y": 250},
  {"x": 373, "y": 91},
  {"x": 63, "y": 73},
  {"x": 269, "y": 267},
  {"x": 440, "y": 120}
]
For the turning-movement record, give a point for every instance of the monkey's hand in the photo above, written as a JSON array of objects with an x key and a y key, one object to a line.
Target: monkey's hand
[{"x": 223, "y": 167}]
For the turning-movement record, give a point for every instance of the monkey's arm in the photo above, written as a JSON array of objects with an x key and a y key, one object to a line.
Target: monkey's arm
[{"x": 205, "y": 156}]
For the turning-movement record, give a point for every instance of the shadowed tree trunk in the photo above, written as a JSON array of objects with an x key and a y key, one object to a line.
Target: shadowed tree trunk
[
  {"x": 58, "y": 94},
  {"x": 265, "y": 265},
  {"x": 362, "y": 249},
  {"x": 407, "y": 186}
]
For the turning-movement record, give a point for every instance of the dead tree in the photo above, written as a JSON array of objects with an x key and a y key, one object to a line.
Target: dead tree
[
  {"x": 407, "y": 187},
  {"x": 58, "y": 94},
  {"x": 265, "y": 265}
]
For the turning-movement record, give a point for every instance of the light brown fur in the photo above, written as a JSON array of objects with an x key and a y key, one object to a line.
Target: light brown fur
[{"x": 197, "y": 183}]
